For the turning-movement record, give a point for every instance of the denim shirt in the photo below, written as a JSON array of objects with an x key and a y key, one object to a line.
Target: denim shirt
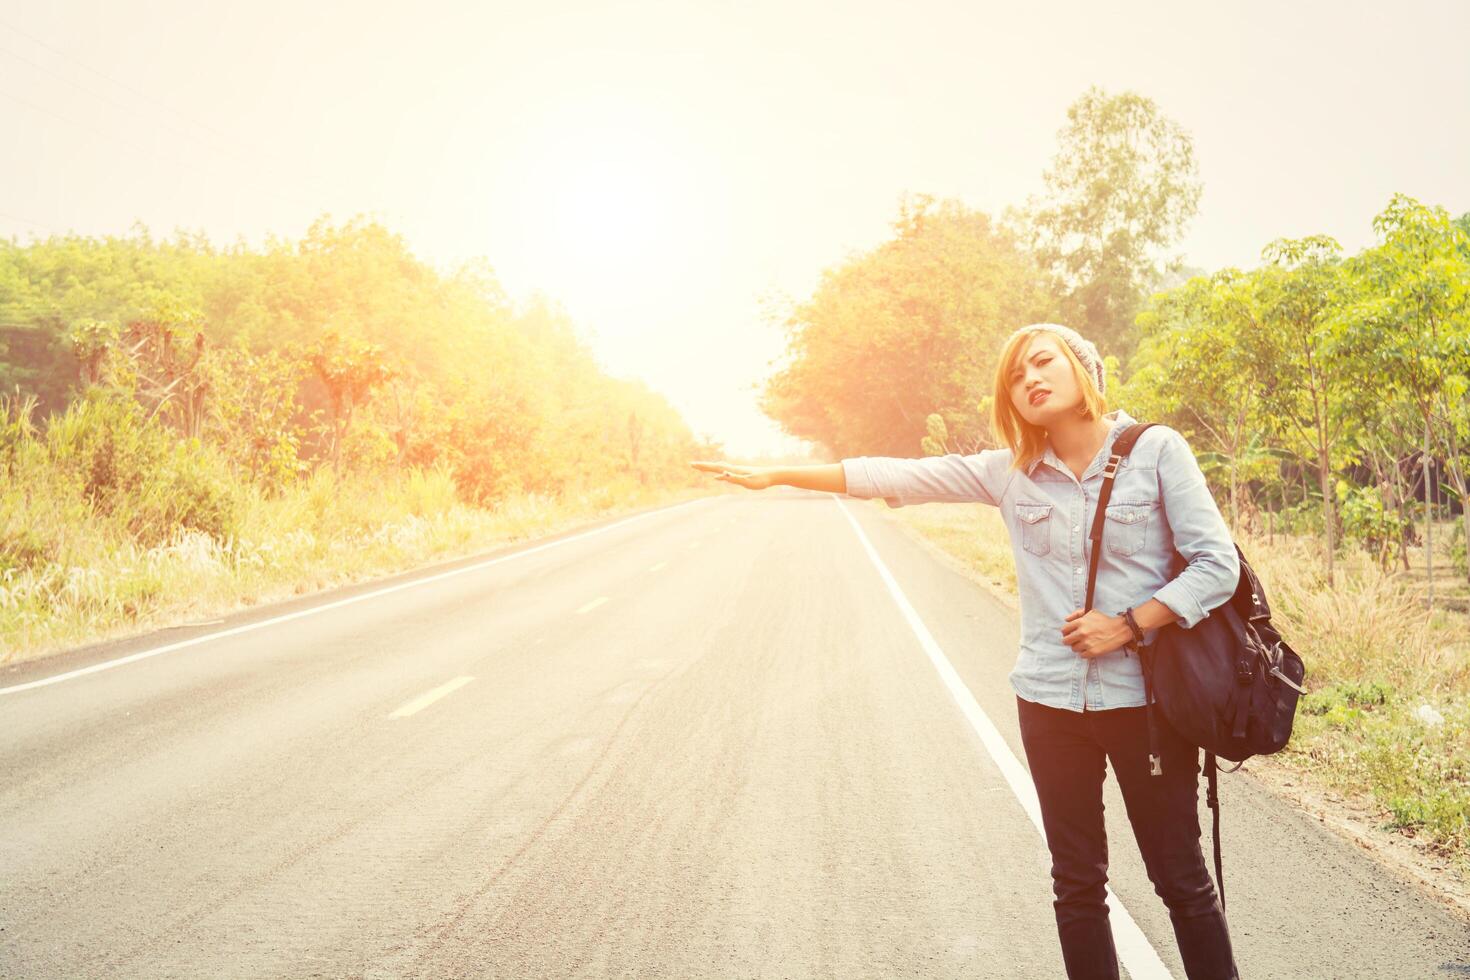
[{"x": 1160, "y": 505}]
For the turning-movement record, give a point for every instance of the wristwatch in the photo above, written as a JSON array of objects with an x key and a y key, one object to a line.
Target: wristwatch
[{"x": 1133, "y": 625}]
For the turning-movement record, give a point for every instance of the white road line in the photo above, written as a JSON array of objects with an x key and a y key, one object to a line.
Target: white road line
[
  {"x": 593, "y": 604},
  {"x": 429, "y": 697},
  {"x": 654, "y": 568},
  {"x": 1134, "y": 949},
  {"x": 301, "y": 613}
]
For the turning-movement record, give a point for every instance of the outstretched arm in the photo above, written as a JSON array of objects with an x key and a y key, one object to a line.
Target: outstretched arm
[
  {"x": 827, "y": 477},
  {"x": 898, "y": 480},
  {"x": 954, "y": 478}
]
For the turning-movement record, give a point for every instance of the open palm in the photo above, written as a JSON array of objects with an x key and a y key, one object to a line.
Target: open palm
[{"x": 750, "y": 477}]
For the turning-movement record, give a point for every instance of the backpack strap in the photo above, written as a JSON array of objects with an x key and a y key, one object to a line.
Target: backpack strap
[
  {"x": 1213, "y": 799},
  {"x": 1122, "y": 445}
]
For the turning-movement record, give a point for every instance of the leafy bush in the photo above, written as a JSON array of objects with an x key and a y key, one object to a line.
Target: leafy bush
[
  {"x": 135, "y": 473},
  {"x": 1365, "y": 519},
  {"x": 1302, "y": 518},
  {"x": 1346, "y": 695}
]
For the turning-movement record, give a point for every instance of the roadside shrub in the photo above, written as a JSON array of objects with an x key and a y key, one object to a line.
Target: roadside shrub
[
  {"x": 1366, "y": 520},
  {"x": 426, "y": 491},
  {"x": 1356, "y": 694},
  {"x": 136, "y": 474}
]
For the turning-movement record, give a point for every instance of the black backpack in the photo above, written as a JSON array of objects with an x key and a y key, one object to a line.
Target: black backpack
[{"x": 1229, "y": 685}]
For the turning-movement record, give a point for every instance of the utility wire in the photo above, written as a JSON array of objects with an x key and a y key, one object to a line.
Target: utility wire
[{"x": 139, "y": 93}]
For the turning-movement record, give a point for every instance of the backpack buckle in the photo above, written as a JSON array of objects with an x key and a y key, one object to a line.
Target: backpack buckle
[{"x": 1243, "y": 672}]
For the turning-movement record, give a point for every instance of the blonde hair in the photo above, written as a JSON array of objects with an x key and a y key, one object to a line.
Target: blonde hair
[{"x": 1026, "y": 440}]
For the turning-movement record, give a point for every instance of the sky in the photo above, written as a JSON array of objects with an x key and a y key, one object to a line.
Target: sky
[{"x": 676, "y": 175}]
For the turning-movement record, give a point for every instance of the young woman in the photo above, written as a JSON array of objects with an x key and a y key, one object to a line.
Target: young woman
[{"x": 1078, "y": 682}]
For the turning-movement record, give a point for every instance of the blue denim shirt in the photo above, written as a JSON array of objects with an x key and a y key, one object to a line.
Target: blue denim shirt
[{"x": 1160, "y": 505}]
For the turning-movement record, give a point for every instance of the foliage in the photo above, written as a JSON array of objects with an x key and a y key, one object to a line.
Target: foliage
[
  {"x": 131, "y": 471},
  {"x": 341, "y": 348},
  {"x": 1120, "y": 191},
  {"x": 905, "y": 331},
  {"x": 253, "y": 418},
  {"x": 1366, "y": 519}
]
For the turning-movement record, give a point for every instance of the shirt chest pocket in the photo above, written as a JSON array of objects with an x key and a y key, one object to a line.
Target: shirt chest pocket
[
  {"x": 1035, "y": 520},
  {"x": 1126, "y": 528}
]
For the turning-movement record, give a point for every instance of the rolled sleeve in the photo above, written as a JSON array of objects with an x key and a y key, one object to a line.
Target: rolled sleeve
[
  {"x": 954, "y": 478},
  {"x": 859, "y": 483},
  {"x": 1200, "y": 536}
]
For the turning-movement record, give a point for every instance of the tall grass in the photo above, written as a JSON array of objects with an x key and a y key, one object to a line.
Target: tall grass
[
  {"x": 109, "y": 526},
  {"x": 1388, "y": 713}
]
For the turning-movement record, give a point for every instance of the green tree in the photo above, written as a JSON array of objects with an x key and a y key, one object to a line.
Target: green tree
[
  {"x": 1119, "y": 193},
  {"x": 1412, "y": 310},
  {"x": 905, "y": 331},
  {"x": 1309, "y": 378},
  {"x": 1199, "y": 366},
  {"x": 350, "y": 370},
  {"x": 253, "y": 414}
]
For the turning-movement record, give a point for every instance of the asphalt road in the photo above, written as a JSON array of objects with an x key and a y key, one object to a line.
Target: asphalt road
[{"x": 756, "y": 735}]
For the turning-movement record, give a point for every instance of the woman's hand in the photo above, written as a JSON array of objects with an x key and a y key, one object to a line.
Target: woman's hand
[
  {"x": 749, "y": 477},
  {"x": 1092, "y": 633}
]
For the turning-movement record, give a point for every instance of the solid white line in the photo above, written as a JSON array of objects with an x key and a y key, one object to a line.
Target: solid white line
[
  {"x": 429, "y": 697},
  {"x": 1134, "y": 949},
  {"x": 299, "y": 614},
  {"x": 593, "y": 604}
]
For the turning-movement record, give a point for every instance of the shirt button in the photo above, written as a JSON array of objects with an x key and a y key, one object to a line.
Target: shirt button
[
  {"x": 1077, "y": 570},
  {"x": 1076, "y": 527}
]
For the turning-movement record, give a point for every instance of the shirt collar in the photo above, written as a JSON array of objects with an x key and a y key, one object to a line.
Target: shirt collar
[{"x": 1117, "y": 416}]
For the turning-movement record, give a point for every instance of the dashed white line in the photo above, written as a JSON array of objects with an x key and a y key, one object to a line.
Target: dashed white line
[
  {"x": 429, "y": 697},
  {"x": 654, "y": 568},
  {"x": 1134, "y": 949},
  {"x": 593, "y": 604}
]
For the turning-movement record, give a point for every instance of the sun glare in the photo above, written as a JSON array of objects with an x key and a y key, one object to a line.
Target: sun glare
[
  {"x": 605, "y": 194},
  {"x": 606, "y": 206}
]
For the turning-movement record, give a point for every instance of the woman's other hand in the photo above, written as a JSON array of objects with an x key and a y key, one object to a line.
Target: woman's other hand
[
  {"x": 1093, "y": 633},
  {"x": 749, "y": 477}
]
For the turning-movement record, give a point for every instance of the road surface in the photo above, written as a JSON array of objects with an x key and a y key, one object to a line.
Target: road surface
[{"x": 758, "y": 735}]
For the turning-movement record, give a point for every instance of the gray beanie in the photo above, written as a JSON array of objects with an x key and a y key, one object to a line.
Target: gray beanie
[{"x": 1085, "y": 350}]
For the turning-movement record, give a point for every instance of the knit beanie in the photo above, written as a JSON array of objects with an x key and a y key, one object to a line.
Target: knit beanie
[{"x": 1085, "y": 349}]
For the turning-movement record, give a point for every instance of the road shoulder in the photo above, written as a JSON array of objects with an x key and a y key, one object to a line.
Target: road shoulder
[{"x": 1354, "y": 819}]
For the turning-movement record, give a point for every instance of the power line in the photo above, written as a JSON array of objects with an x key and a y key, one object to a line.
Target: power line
[
  {"x": 130, "y": 144},
  {"x": 248, "y": 166},
  {"x": 103, "y": 75},
  {"x": 146, "y": 97},
  {"x": 24, "y": 221}
]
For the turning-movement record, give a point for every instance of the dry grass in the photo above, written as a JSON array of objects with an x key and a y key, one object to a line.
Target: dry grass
[
  {"x": 1381, "y": 666},
  {"x": 324, "y": 533}
]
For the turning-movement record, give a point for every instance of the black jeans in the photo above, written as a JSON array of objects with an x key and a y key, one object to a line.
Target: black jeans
[{"x": 1066, "y": 751}]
